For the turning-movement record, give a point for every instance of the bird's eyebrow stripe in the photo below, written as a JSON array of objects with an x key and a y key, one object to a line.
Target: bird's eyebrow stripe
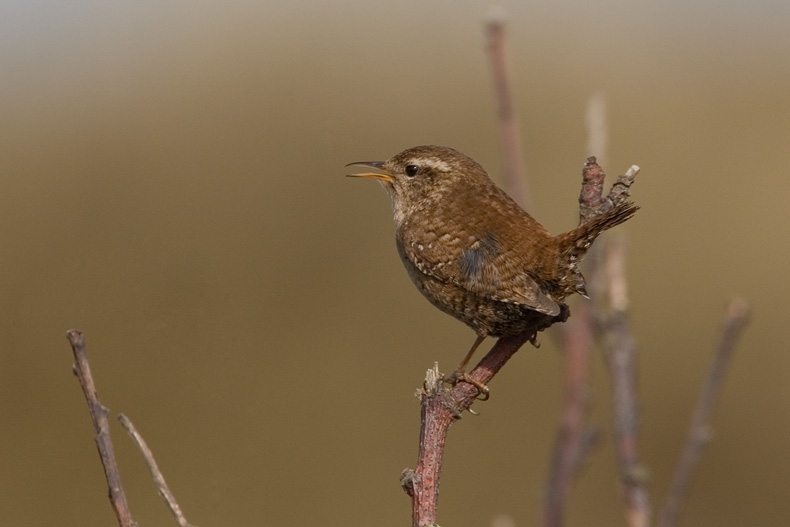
[{"x": 436, "y": 164}]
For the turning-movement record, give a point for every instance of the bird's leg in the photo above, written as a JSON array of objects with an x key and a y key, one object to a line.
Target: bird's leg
[
  {"x": 479, "y": 340},
  {"x": 460, "y": 372}
]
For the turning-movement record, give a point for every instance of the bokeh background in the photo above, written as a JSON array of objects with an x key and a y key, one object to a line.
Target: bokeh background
[{"x": 172, "y": 185}]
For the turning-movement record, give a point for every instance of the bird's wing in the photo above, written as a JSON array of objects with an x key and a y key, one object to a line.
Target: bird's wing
[{"x": 477, "y": 263}]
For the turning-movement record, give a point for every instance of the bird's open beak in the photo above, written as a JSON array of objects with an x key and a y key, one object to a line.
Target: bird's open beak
[{"x": 370, "y": 175}]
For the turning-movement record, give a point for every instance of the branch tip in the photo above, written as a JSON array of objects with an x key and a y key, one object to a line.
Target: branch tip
[
  {"x": 75, "y": 337},
  {"x": 738, "y": 310},
  {"x": 433, "y": 383},
  {"x": 496, "y": 18},
  {"x": 101, "y": 428},
  {"x": 159, "y": 480}
]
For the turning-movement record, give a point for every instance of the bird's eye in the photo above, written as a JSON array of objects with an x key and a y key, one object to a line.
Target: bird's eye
[{"x": 411, "y": 170}]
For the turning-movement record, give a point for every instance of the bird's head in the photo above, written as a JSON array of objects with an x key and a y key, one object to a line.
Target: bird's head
[{"x": 423, "y": 174}]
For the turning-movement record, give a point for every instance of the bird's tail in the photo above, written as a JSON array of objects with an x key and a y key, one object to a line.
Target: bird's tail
[{"x": 575, "y": 243}]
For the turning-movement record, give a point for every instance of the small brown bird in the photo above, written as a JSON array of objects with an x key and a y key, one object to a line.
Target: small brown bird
[{"x": 473, "y": 251}]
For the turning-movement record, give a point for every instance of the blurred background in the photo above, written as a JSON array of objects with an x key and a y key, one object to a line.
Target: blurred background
[{"x": 172, "y": 185}]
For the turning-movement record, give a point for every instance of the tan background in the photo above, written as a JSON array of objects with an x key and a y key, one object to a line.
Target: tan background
[{"x": 172, "y": 184}]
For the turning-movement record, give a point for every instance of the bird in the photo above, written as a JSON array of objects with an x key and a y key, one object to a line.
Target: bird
[{"x": 474, "y": 253}]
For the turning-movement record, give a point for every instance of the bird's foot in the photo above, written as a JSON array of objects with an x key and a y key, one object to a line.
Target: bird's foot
[{"x": 460, "y": 375}]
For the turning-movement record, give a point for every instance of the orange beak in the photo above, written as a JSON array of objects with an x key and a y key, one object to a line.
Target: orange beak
[{"x": 370, "y": 175}]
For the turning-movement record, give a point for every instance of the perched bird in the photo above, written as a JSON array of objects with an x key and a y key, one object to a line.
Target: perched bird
[{"x": 473, "y": 252}]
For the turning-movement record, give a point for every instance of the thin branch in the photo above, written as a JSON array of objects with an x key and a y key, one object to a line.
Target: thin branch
[
  {"x": 156, "y": 474},
  {"x": 101, "y": 427},
  {"x": 514, "y": 172},
  {"x": 572, "y": 439},
  {"x": 597, "y": 127},
  {"x": 735, "y": 320},
  {"x": 621, "y": 359},
  {"x": 439, "y": 409}
]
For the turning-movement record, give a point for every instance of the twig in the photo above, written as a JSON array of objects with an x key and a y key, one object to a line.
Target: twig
[
  {"x": 621, "y": 359},
  {"x": 735, "y": 320},
  {"x": 440, "y": 409},
  {"x": 101, "y": 427},
  {"x": 514, "y": 173},
  {"x": 570, "y": 445},
  {"x": 597, "y": 127},
  {"x": 573, "y": 439},
  {"x": 620, "y": 350},
  {"x": 156, "y": 474}
]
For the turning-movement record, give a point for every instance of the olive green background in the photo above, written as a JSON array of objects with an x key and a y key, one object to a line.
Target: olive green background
[{"x": 172, "y": 185}]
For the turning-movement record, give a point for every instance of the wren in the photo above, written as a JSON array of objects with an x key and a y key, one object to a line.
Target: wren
[{"x": 473, "y": 252}]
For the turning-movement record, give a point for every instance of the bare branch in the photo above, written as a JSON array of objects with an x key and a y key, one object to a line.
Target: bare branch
[
  {"x": 620, "y": 355},
  {"x": 591, "y": 200},
  {"x": 597, "y": 127},
  {"x": 101, "y": 428},
  {"x": 514, "y": 172},
  {"x": 735, "y": 320},
  {"x": 570, "y": 446},
  {"x": 440, "y": 409},
  {"x": 574, "y": 439},
  {"x": 618, "y": 341},
  {"x": 156, "y": 474}
]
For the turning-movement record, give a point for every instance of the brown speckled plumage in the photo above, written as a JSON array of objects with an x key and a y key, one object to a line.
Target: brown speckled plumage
[{"x": 475, "y": 253}]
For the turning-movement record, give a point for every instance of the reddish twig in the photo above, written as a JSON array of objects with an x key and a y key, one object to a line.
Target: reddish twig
[
  {"x": 620, "y": 354},
  {"x": 156, "y": 474},
  {"x": 101, "y": 427},
  {"x": 514, "y": 173},
  {"x": 573, "y": 439},
  {"x": 571, "y": 442},
  {"x": 736, "y": 318},
  {"x": 440, "y": 409}
]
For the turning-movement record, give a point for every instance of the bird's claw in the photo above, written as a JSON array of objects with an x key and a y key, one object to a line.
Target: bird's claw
[{"x": 461, "y": 376}]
